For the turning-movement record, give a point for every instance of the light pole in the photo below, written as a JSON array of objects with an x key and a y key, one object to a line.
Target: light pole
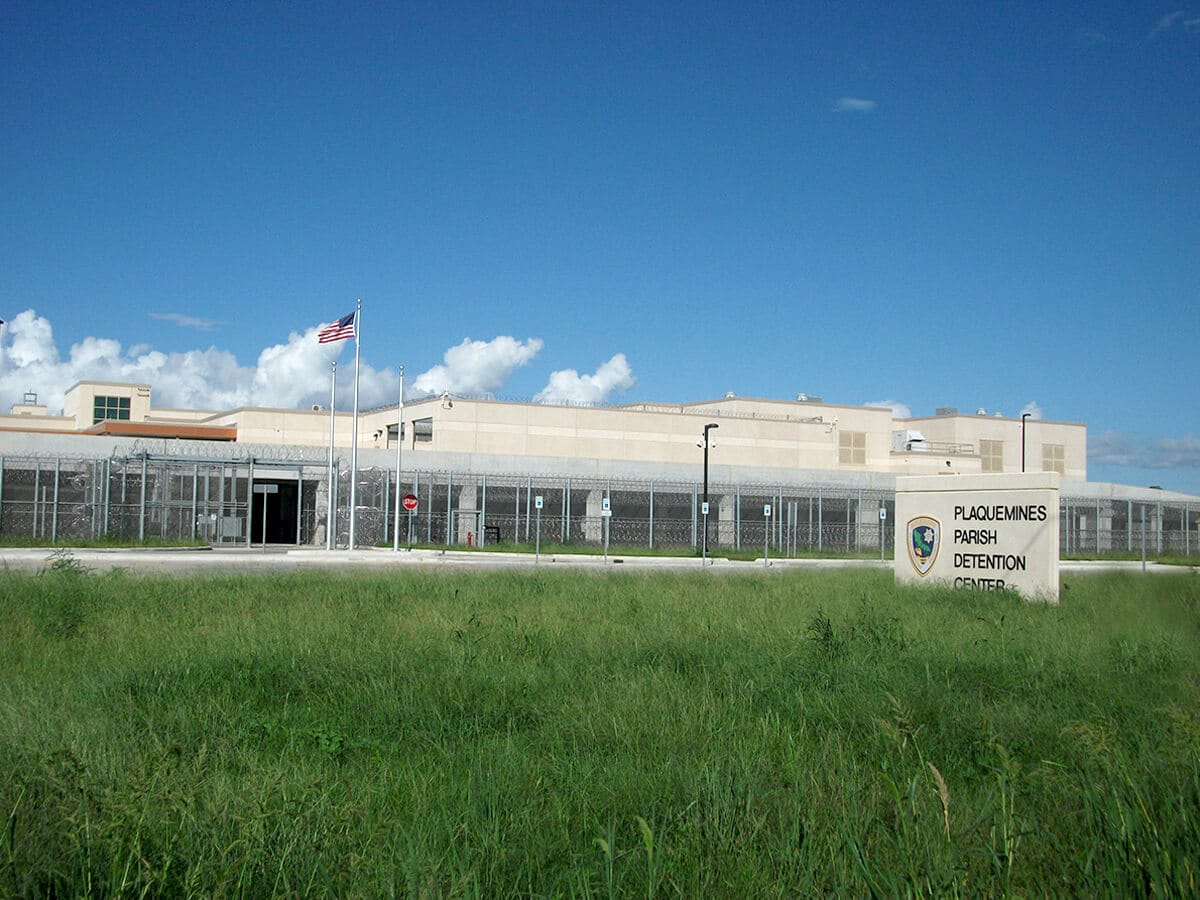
[
  {"x": 1024, "y": 416},
  {"x": 704, "y": 443},
  {"x": 399, "y": 447}
]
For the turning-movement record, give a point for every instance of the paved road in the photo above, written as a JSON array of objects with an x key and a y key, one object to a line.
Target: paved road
[{"x": 226, "y": 561}]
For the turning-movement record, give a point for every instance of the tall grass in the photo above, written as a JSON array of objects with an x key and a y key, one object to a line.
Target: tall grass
[{"x": 549, "y": 733}]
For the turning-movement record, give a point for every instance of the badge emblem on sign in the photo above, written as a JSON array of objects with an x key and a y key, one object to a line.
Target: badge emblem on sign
[{"x": 924, "y": 538}]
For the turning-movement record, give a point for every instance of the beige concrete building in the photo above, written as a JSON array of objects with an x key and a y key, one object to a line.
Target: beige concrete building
[
  {"x": 111, "y": 461},
  {"x": 762, "y": 438}
]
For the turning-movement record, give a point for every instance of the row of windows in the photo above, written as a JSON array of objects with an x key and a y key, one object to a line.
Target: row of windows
[
  {"x": 110, "y": 408},
  {"x": 991, "y": 455},
  {"x": 852, "y": 451},
  {"x": 422, "y": 432}
]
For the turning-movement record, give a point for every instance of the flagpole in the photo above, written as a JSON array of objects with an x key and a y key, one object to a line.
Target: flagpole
[
  {"x": 331, "y": 511},
  {"x": 354, "y": 433},
  {"x": 399, "y": 447}
]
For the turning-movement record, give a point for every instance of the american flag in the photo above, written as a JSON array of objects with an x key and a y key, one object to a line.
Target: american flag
[{"x": 340, "y": 330}]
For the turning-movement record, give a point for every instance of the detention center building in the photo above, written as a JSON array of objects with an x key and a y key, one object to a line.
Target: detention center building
[{"x": 790, "y": 475}]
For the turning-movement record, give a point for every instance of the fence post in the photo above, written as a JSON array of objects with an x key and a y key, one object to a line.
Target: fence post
[
  {"x": 694, "y": 511},
  {"x": 651, "y": 516},
  {"x": 482, "y": 512},
  {"x": 300, "y": 501},
  {"x": 737, "y": 512},
  {"x": 820, "y": 519},
  {"x": 387, "y": 493},
  {"x": 195, "y": 497},
  {"x": 449, "y": 504},
  {"x": 142, "y": 502},
  {"x": 37, "y": 486},
  {"x": 107, "y": 496},
  {"x": 250, "y": 506},
  {"x": 566, "y": 511},
  {"x": 92, "y": 500},
  {"x": 810, "y": 521},
  {"x": 54, "y": 509}
]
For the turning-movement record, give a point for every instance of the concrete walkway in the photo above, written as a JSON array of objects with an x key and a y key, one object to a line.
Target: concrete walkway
[{"x": 205, "y": 560}]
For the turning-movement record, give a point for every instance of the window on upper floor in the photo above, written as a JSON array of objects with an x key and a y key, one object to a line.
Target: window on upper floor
[
  {"x": 991, "y": 456},
  {"x": 852, "y": 448},
  {"x": 1053, "y": 459},
  {"x": 110, "y": 408}
]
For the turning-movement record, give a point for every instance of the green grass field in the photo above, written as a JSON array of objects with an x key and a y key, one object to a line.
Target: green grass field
[{"x": 564, "y": 734}]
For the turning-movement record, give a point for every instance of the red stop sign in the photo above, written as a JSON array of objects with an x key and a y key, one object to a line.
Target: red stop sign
[{"x": 410, "y": 502}]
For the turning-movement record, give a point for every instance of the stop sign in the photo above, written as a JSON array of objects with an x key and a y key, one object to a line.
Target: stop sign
[{"x": 410, "y": 502}]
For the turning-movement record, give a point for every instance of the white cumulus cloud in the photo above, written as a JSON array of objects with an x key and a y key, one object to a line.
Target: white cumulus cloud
[
  {"x": 1174, "y": 453},
  {"x": 1119, "y": 449},
  {"x": 1166, "y": 22},
  {"x": 568, "y": 386},
  {"x": 477, "y": 367},
  {"x": 854, "y": 104},
  {"x": 1035, "y": 411},
  {"x": 899, "y": 410},
  {"x": 289, "y": 375},
  {"x": 30, "y": 342},
  {"x": 185, "y": 321}
]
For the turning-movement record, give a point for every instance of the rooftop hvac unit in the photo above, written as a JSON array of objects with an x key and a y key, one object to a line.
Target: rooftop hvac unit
[
  {"x": 946, "y": 411},
  {"x": 907, "y": 439}
]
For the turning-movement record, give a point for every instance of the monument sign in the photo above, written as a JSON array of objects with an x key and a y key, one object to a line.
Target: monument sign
[{"x": 989, "y": 532}]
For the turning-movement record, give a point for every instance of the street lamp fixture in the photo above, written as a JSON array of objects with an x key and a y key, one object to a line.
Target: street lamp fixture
[
  {"x": 704, "y": 444},
  {"x": 1024, "y": 416}
]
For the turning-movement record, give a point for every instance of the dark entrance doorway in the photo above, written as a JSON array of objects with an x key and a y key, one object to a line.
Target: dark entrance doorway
[{"x": 280, "y": 508}]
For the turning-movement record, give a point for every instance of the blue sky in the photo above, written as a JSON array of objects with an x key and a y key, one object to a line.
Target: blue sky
[{"x": 929, "y": 204}]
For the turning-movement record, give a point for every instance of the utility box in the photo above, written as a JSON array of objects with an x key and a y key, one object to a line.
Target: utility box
[{"x": 906, "y": 440}]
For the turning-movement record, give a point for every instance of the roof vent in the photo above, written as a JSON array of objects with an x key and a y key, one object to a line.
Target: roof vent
[
  {"x": 946, "y": 411},
  {"x": 981, "y": 411},
  {"x": 729, "y": 395}
]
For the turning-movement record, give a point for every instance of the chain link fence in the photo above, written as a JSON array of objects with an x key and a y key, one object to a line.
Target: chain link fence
[{"x": 287, "y": 502}]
